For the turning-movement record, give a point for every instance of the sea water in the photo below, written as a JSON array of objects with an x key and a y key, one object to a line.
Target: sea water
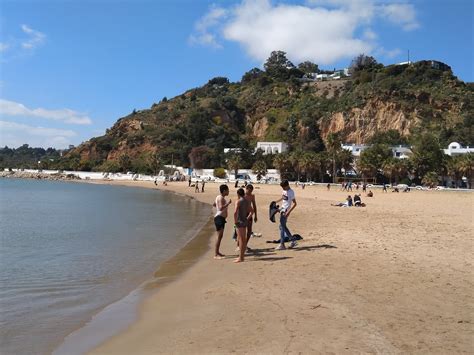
[{"x": 67, "y": 250}]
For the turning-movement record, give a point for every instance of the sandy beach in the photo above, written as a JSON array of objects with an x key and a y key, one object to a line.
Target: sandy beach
[{"x": 395, "y": 277}]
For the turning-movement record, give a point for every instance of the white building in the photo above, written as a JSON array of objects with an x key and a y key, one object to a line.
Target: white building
[
  {"x": 355, "y": 149},
  {"x": 455, "y": 148},
  {"x": 399, "y": 151},
  {"x": 232, "y": 150},
  {"x": 272, "y": 147}
]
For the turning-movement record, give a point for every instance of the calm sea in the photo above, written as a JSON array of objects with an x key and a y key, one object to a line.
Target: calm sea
[{"x": 67, "y": 250}]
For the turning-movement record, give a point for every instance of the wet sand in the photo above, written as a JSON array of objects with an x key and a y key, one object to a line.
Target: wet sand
[{"x": 394, "y": 277}]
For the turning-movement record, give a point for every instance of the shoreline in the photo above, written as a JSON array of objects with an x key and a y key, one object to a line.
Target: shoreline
[
  {"x": 119, "y": 315},
  {"x": 346, "y": 288}
]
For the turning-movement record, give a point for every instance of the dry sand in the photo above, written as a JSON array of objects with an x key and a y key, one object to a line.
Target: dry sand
[{"x": 394, "y": 277}]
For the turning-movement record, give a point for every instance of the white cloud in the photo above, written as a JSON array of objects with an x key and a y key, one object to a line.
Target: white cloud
[
  {"x": 304, "y": 33},
  {"x": 35, "y": 38},
  {"x": 403, "y": 15},
  {"x": 203, "y": 35},
  {"x": 370, "y": 35},
  {"x": 4, "y": 46},
  {"x": 15, "y": 134},
  {"x": 392, "y": 53},
  {"x": 323, "y": 31},
  {"x": 11, "y": 108}
]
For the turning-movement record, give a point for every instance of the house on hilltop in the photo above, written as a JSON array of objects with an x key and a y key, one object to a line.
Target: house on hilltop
[{"x": 455, "y": 148}]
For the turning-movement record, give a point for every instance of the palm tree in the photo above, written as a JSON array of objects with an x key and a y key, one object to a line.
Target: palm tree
[
  {"x": 154, "y": 162},
  {"x": 282, "y": 163},
  {"x": 333, "y": 145},
  {"x": 324, "y": 164},
  {"x": 344, "y": 159},
  {"x": 309, "y": 164},
  {"x": 260, "y": 168},
  {"x": 466, "y": 168},
  {"x": 453, "y": 165},
  {"x": 234, "y": 162},
  {"x": 431, "y": 178},
  {"x": 390, "y": 168},
  {"x": 296, "y": 160}
]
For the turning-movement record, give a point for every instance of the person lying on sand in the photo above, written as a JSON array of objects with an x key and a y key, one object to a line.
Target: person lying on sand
[{"x": 347, "y": 203}]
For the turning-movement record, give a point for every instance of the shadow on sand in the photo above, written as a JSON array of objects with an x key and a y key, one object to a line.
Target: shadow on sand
[
  {"x": 270, "y": 258},
  {"x": 313, "y": 247}
]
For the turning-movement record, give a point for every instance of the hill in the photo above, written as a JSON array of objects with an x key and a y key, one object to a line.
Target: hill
[{"x": 397, "y": 102}]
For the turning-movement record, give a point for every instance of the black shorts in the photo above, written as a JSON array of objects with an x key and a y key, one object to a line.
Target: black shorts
[{"x": 219, "y": 221}]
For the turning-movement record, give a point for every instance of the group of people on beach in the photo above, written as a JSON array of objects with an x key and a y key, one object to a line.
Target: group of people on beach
[
  {"x": 245, "y": 214},
  {"x": 349, "y": 202}
]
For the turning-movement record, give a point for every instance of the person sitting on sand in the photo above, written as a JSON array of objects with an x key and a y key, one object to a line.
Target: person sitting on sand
[
  {"x": 358, "y": 201},
  {"x": 370, "y": 194},
  {"x": 243, "y": 212},
  {"x": 220, "y": 218}
]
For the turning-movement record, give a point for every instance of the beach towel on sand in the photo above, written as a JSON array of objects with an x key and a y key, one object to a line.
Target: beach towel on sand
[{"x": 273, "y": 209}]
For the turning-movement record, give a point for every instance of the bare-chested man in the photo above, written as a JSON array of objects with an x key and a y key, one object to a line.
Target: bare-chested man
[{"x": 220, "y": 218}]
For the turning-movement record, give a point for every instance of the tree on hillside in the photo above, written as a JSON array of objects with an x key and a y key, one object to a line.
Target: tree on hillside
[
  {"x": 362, "y": 62},
  {"x": 154, "y": 162},
  {"x": 125, "y": 162},
  {"x": 218, "y": 80},
  {"x": 252, "y": 74},
  {"x": 390, "y": 137},
  {"x": 308, "y": 67},
  {"x": 279, "y": 67},
  {"x": 201, "y": 157}
]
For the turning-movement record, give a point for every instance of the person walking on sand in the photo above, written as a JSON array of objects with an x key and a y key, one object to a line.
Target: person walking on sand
[
  {"x": 196, "y": 187},
  {"x": 202, "y": 185},
  {"x": 288, "y": 205},
  {"x": 384, "y": 188},
  {"x": 221, "y": 206},
  {"x": 242, "y": 214},
  {"x": 328, "y": 186},
  {"x": 189, "y": 181}
]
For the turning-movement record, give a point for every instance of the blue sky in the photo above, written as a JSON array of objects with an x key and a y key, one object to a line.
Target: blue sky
[{"x": 69, "y": 69}]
